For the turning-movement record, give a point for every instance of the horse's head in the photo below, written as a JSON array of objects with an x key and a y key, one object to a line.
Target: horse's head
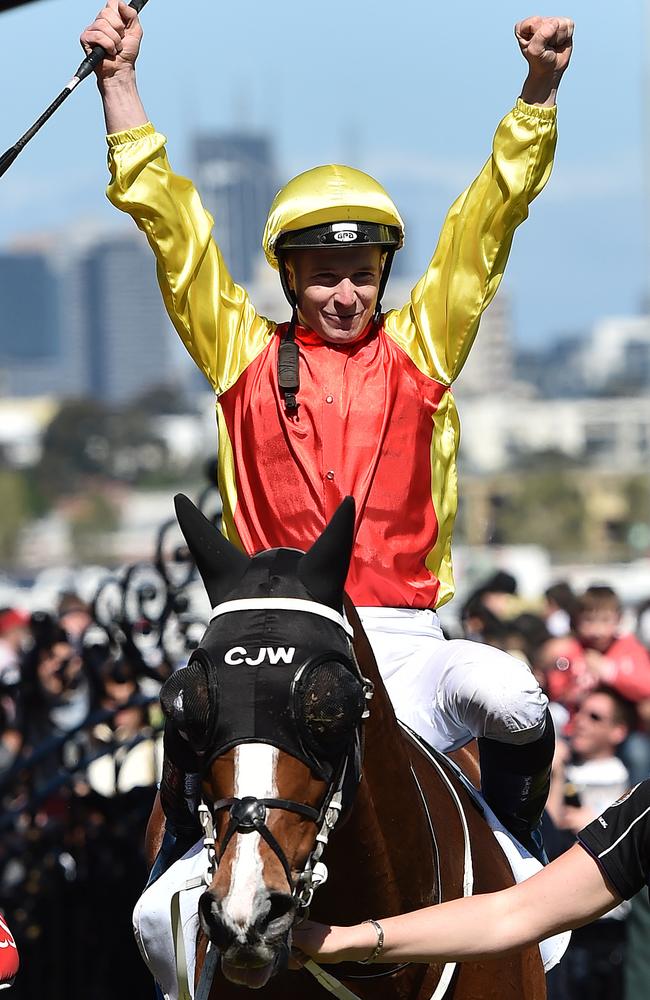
[{"x": 272, "y": 700}]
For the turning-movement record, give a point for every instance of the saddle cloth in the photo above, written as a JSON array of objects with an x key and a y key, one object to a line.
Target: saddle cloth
[{"x": 522, "y": 865}]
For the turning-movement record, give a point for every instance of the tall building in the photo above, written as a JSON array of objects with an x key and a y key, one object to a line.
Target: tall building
[
  {"x": 235, "y": 175},
  {"x": 126, "y": 344},
  {"x": 29, "y": 330},
  {"x": 618, "y": 353},
  {"x": 490, "y": 365}
]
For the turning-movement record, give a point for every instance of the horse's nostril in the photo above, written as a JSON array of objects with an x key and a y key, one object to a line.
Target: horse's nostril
[
  {"x": 212, "y": 921},
  {"x": 281, "y": 907}
]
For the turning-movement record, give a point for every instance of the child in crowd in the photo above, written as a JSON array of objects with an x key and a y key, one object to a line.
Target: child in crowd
[{"x": 596, "y": 653}]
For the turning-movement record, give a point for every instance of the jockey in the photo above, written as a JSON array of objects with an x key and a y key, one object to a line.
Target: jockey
[
  {"x": 346, "y": 399},
  {"x": 8, "y": 956}
]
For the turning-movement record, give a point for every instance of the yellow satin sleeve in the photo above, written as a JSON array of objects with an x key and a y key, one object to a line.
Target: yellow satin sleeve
[
  {"x": 438, "y": 325},
  {"x": 212, "y": 314}
]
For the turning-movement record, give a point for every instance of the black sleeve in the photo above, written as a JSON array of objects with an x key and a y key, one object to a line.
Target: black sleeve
[{"x": 619, "y": 841}]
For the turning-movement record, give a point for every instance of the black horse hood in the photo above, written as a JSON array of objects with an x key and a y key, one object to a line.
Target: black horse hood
[
  {"x": 271, "y": 673},
  {"x": 318, "y": 574}
]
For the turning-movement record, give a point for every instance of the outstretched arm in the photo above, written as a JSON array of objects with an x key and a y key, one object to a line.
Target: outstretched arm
[
  {"x": 611, "y": 862},
  {"x": 213, "y": 316},
  {"x": 117, "y": 29},
  {"x": 438, "y": 326},
  {"x": 569, "y": 892}
]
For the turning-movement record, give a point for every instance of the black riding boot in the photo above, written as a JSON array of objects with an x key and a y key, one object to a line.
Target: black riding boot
[{"x": 515, "y": 780}]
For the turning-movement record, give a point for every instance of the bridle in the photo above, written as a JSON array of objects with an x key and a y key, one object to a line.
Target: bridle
[{"x": 249, "y": 814}]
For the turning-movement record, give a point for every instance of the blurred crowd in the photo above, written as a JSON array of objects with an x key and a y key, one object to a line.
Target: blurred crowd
[
  {"x": 591, "y": 657},
  {"x": 81, "y": 753},
  {"x": 80, "y": 756}
]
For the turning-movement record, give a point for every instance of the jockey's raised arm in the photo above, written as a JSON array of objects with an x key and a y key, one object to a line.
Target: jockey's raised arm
[
  {"x": 212, "y": 315},
  {"x": 438, "y": 325}
]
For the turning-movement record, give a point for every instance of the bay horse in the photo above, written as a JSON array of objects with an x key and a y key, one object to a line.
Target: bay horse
[{"x": 274, "y": 700}]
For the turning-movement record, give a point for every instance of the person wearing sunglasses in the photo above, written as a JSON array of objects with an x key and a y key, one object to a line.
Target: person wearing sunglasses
[
  {"x": 587, "y": 776},
  {"x": 587, "y": 773},
  {"x": 610, "y": 862}
]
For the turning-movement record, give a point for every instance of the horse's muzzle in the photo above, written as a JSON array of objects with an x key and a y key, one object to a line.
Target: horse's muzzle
[{"x": 251, "y": 951}]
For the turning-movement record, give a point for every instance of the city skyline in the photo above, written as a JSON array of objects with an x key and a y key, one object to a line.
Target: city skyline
[{"x": 582, "y": 254}]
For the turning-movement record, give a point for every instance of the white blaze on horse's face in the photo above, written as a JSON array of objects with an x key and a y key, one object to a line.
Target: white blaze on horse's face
[{"x": 255, "y": 774}]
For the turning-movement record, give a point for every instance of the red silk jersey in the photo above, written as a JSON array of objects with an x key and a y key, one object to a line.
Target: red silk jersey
[{"x": 376, "y": 418}]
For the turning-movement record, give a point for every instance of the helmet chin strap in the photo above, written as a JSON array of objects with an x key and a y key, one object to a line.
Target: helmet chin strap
[{"x": 383, "y": 281}]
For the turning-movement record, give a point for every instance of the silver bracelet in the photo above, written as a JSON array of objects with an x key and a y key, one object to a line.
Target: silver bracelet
[{"x": 379, "y": 947}]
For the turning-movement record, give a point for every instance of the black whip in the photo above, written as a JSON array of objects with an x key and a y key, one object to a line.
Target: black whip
[{"x": 87, "y": 66}]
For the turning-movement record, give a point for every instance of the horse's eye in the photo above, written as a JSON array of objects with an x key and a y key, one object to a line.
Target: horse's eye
[
  {"x": 328, "y": 702},
  {"x": 189, "y": 700}
]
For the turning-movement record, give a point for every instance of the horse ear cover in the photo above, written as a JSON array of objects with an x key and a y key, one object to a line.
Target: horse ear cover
[
  {"x": 219, "y": 563},
  {"x": 324, "y": 568}
]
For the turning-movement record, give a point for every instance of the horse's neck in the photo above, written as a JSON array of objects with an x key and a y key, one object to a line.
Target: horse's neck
[{"x": 388, "y": 828}]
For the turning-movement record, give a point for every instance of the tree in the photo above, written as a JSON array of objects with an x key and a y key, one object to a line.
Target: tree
[
  {"x": 544, "y": 508},
  {"x": 88, "y": 440},
  {"x": 15, "y": 506}
]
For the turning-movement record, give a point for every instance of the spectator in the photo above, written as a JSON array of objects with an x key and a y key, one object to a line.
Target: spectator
[
  {"x": 560, "y": 606},
  {"x": 496, "y": 593},
  {"x": 527, "y": 633},
  {"x": 56, "y": 693},
  {"x": 587, "y": 777},
  {"x": 479, "y": 624},
  {"x": 596, "y": 653},
  {"x": 592, "y": 769},
  {"x": 74, "y": 617},
  {"x": 14, "y": 634},
  {"x": 133, "y": 755}
]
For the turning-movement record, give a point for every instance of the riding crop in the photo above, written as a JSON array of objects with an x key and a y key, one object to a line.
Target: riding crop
[{"x": 92, "y": 60}]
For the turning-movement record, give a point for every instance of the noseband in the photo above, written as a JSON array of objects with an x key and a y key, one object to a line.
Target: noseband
[{"x": 249, "y": 814}]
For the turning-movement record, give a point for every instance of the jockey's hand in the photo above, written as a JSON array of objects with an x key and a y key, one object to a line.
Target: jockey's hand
[
  {"x": 546, "y": 44},
  {"x": 8, "y": 956},
  {"x": 117, "y": 29}
]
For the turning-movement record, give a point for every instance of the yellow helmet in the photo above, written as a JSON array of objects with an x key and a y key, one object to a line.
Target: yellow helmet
[
  {"x": 314, "y": 209},
  {"x": 329, "y": 206}
]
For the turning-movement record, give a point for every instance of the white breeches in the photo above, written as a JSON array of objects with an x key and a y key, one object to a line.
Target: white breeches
[
  {"x": 452, "y": 690},
  {"x": 166, "y": 923}
]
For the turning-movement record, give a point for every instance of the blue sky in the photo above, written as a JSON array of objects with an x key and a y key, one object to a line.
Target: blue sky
[{"x": 411, "y": 92}]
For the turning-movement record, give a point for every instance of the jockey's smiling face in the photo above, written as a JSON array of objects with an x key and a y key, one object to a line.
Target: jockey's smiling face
[{"x": 336, "y": 289}]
